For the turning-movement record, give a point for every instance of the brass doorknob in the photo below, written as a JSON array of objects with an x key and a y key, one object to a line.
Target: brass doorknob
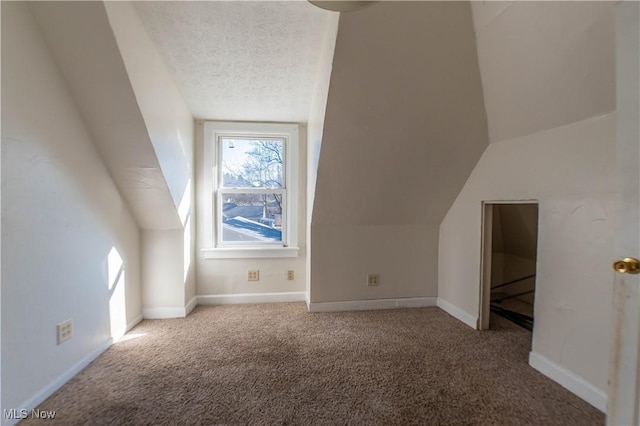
[{"x": 628, "y": 265}]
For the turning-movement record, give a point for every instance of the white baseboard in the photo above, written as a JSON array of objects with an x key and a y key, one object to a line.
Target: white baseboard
[
  {"x": 133, "y": 323},
  {"x": 130, "y": 325},
  {"x": 164, "y": 313},
  {"x": 250, "y": 298},
  {"x": 191, "y": 304},
  {"x": 364, "y": 305},
  {"x": 576, "y": 384},
  {"x": 222, "y": 299},
  {"x": 48, "y": 390},
  {"x": 458, "y": 313}
]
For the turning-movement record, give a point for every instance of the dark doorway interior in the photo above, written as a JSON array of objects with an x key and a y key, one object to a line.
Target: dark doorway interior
[{"x": 514, "y": 246}]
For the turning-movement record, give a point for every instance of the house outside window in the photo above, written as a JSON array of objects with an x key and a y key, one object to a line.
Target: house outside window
[{"x": 251, "y": 175}]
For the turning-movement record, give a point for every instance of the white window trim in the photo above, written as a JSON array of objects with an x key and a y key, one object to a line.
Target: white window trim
[{"x": 213, "y": 129}]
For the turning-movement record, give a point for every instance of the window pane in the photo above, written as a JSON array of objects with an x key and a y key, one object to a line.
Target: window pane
[
  {"x": 252, "y": 217},
  {"x": 252, "y": 163}
]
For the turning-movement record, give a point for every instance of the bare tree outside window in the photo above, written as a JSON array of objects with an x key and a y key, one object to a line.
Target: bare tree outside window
[{"x": 252, "y": 177}]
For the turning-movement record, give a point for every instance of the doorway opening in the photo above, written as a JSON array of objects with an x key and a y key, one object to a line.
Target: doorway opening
[{"x": 509, "y": 262}]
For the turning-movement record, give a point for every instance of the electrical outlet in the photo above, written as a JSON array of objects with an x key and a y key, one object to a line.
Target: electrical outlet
[
  {"x": 65, "y": 331},
  {"x": 253, "y": 276},
  {"x": 290, "y": 275},
  {"x": 373, "y": 280}
]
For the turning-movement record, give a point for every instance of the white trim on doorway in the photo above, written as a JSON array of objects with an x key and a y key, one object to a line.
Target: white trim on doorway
[{"x": 458, "y": 313}]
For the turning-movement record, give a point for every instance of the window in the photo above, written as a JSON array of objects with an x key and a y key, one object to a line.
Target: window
[{"x": 251, "y": 179}]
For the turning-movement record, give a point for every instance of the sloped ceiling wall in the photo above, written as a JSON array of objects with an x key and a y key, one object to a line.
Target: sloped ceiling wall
[
  {"x": 405, "y": 124},
  {"x": 544, "y": 64},
  {"x": 167, "y": 118},
  {"x": 85, "y": 49},
  {"x": 405, "y": 120}
]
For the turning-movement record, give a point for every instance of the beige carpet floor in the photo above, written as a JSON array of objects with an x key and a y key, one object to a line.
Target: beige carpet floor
[{"x": 278, "y": 364}]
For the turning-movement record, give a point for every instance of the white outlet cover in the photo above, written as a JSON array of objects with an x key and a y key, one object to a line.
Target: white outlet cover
[{"x": 65, "y": 331}]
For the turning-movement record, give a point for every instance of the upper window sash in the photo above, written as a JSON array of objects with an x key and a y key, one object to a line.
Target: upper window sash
[{"x": 229, "y": 145}]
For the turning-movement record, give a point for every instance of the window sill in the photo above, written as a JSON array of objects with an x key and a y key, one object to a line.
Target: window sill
[{"x": 249, "y": 252}]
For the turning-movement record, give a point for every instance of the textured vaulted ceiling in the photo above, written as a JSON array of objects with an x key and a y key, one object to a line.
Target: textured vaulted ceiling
[{"x": 240, "y": 60}]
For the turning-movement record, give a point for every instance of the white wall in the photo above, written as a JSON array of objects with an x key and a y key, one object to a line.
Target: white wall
[
  {"x": 404, "y": 126},
  {"x": 163, "y": 274},
  {"x": 229, "y": 276},
  {"x": 61, "y": 218},
  {"x": 315, "y": 128},
  {"x": 570, "y": 171},
  {"x": 405, "y": 257},
  {"x": 548, "y": 77},
  {"x": 170, "y": 126}
]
